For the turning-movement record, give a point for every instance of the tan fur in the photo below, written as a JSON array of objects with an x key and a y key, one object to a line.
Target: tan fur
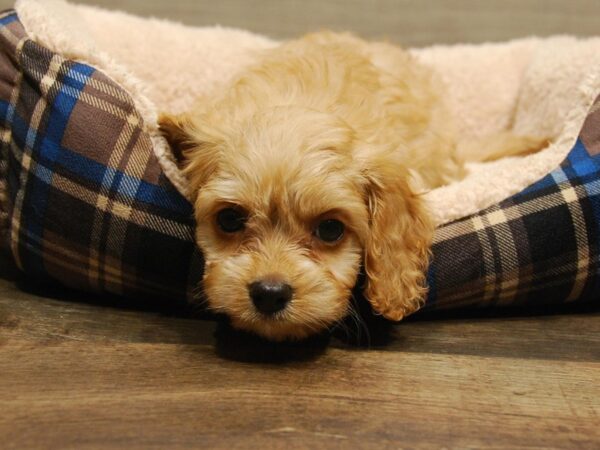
[{"x": 327, "y": 126}]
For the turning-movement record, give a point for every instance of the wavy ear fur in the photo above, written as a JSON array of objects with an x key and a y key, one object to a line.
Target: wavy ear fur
[
  {"x": 397, "y": 246},
  {"x": 175, "y": 130},
  {"x": 194, "y": 147}
]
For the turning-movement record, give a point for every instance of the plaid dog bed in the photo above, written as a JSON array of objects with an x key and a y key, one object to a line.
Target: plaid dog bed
[
  {"x": 537, "y": 247},
  {"x": 87, "y": 204}
]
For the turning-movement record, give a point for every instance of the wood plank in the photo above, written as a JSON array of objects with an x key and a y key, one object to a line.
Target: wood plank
[{"x": 76, "y": 395}]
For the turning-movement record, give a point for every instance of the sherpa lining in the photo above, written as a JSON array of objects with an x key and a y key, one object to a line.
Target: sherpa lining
[{"x": 535, "y": 86}]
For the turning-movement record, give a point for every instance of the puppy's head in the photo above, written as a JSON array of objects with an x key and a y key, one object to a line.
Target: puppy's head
[{"x": 288, "y": 205}]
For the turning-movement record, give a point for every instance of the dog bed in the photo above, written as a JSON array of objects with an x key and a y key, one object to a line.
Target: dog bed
[{"x": 92, "y": 199}]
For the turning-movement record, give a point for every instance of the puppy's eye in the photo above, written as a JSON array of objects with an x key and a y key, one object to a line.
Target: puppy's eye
[
  {"x": 330, "y": 230},
  {"x": 231, "y": 220}
]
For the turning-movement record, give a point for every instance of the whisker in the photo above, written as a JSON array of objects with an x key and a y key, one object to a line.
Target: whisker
[{"x": 359, "y": 321}]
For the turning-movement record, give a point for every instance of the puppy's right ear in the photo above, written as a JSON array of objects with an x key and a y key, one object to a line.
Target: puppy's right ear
[
  {"x": 175, "y": 130},
  {"x": 194, "y": 147}
]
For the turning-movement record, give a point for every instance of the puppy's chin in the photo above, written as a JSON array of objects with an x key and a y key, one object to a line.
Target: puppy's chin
[
  {"x": 291, "y": 324},
  {"x": 276, "y": 329}
]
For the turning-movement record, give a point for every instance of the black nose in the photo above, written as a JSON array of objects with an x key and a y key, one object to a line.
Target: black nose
[{"x": 270, "y": 296}]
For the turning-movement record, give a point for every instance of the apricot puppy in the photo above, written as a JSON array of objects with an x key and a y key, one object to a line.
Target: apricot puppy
[{"x": 305, "y": 168}]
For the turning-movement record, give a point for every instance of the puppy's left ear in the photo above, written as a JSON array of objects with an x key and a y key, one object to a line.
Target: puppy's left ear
[{"x": 397, "y": 246}]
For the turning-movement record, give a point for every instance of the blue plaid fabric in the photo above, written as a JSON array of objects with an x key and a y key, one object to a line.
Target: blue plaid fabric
[
  {"x": 538, "y": 247},
  {"x": 89, "y": 206}
]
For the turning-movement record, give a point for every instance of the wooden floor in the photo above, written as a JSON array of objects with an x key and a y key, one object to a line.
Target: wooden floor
[{"x": 76, "y": 373}]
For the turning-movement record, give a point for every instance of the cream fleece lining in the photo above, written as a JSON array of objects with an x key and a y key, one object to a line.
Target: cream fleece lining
[{"x": 536, "y": 86}]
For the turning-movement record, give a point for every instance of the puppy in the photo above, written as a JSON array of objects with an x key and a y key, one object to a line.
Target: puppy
[{"x": 307, "y": 167}]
